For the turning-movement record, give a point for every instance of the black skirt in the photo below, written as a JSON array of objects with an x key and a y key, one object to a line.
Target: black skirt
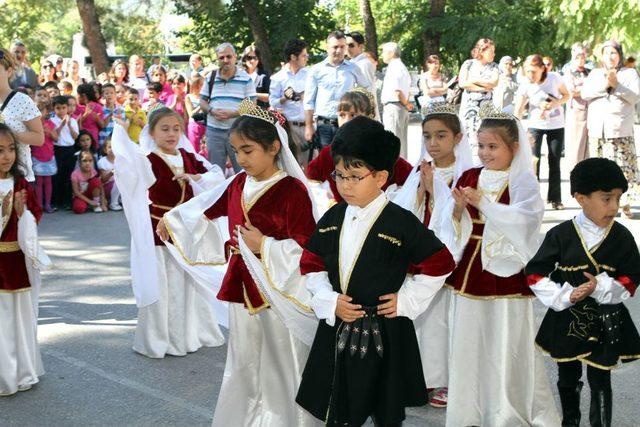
[
  {"x": 599, "y": 335},
  {"x": 341, "y": 387}
]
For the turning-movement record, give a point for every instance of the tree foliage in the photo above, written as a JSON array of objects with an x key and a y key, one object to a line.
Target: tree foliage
[
  {"x": 518, "y": 28},
  {"x": 594, "y": 21},
  {"x": 284, "y": 19}
]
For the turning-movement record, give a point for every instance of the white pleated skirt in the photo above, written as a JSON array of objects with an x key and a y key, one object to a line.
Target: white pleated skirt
[
  {"x": 20, "y": 362},
  {"x": 181, "y": 321},
  {"x": 432, "y": 330},
  {"x": 496, "y": 376},
  {"x": 262, "y": 373}
]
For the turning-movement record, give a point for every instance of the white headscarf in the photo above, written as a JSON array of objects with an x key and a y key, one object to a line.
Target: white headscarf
[{"x": 406, "y": 197}]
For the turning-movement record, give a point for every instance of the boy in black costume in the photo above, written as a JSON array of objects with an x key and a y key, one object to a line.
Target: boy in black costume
[
  {"x": 584, "y": 270},
  {"x": 365, "y": 359}
]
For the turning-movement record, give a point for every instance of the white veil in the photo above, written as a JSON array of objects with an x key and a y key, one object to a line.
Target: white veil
[{"x": 406, "y": 197}]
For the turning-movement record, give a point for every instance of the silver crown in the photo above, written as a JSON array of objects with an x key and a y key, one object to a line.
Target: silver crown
[
  {"x": 369, "y": 95},
  {"x": 440, "y": 108},
  {"x": 489, "y": 111}
]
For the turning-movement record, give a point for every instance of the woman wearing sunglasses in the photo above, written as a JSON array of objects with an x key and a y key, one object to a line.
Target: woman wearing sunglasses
[{"x": 253, "y": 66}]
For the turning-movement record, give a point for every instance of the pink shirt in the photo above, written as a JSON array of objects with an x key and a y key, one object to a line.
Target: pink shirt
[
  {"x": 179, "y": 107},
  {"x": 90, "y": 124},
  {"x": 44, "y": 153},
  {"x": 82, "y": 179}
]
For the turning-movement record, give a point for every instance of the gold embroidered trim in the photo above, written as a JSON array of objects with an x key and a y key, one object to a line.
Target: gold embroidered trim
[
  {"x": 15, "y": 291},
  {"x": 572, "y": 268},
  {"x": 344, "y": 283},
  {"x": 390, "y": 239},
  {"x": 475, "y": 237},
  {"x": 608, "y": 268},
  {"x": 9, "y": 246},
  {"x": 274, "y": 287},
  {"x": 6, "y": 219},
  {"x": 246, "y": 207},
  {"x": 493, "y": 297},
  {"x": 468, "y": 270},
  {"x": 179, "y": 248},
  {"x": 324, "y": 230},
  {"x": 156, "y": 217},
  {"x": 250, "y": 308},
  {"x": 588, "y": 252}
]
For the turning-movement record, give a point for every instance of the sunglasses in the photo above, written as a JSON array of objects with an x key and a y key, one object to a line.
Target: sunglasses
[
  {"x": 223, "y": 57},
  {"x": 351, "y": 45},
  {"x": 47, "y": 66},
  {"x": 250, "y": 58}
]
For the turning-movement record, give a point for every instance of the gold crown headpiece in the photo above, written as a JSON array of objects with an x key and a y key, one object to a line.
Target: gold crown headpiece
[
  {"x": 440, "y": 108},
  {"x": 249, "y": 108},
  {"x": 369, "y": 95},
  {"x": 489, "y": 111}
]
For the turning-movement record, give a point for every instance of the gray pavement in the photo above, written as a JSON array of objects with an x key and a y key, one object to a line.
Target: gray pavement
[{"x": 93, "y": 378}]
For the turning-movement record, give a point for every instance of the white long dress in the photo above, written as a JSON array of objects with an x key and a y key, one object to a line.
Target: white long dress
[
  {"x": 174, "y": 318},
  {"x": 496, "y": 376},
  {"x": 20, "y": 362}
]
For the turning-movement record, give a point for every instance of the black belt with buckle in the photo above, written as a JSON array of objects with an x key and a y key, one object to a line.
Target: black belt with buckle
[
  {"x": 356, "y": 335},
  {"x": 327, "y": 121},
  {"x": 297, "y": 123}
]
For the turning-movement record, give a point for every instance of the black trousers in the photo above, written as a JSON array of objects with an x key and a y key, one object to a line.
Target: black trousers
[
  {"x": 555, "y": 142},
  {"x": 66, "y": 161},
  {"x": 569, "y": 374}
]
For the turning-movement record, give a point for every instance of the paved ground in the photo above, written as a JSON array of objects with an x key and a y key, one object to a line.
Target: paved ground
[{"x": 87, "y": 319}]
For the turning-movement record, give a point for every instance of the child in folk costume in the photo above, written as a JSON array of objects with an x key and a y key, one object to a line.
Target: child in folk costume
[
  {"x": 270, "y": 219},
  {"x": 496, "y": 377},
  {"x": 584, "y": 270},
  {"x": 365, "y": 359},
  {"x": 153, "y": 177},
  {"x": 21, "y": 258},
  {"x": 356, "y": 102},
  {"x": 424, "y": 193}
]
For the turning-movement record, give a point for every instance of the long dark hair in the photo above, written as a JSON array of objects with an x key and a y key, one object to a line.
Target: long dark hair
[{"x": 16, "y": 168}]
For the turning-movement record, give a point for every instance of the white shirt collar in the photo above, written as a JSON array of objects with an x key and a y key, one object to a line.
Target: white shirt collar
[
  {"x": 252, "y": 187},
  {"x": 357, "y": 213},
  {"x": 591, "y": 232}
]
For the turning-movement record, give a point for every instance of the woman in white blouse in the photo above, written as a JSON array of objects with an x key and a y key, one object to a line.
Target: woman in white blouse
[
  {"x": 432, "y": 84},
  {"x": 20, "y": 113},
  {"x": 613, "y": 91}
]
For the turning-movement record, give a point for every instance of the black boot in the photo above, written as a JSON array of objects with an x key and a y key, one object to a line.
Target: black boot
[
  {"x": 570, "y": 401},
  {"x": 601, "y": 408}
]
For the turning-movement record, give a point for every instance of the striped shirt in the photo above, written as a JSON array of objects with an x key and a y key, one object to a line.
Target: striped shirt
[{"x": 227, "y": 95}]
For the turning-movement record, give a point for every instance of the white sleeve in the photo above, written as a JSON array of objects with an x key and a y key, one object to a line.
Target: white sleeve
[
  {"x": 628, "y": 88},
  {"x": 455, "y": 235},
  {"x": 609, "y": 290},
  {"x": 281, "y": 261},
  {"x": 416, "y": 294},
  {"x": 511, "y": 233},
  {"x": 552, "y": 295},
  {"x": 595, "y": 86},
  {"x": 324, "y": 299},
  {"x": 74, "y": 124},
  {"x": 208, "y": 180}
]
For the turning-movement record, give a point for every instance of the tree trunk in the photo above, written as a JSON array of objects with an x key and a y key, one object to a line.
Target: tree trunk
[
  {"x": 259, "y": 32},
  {"x": 93, "y": 35},
  {"x": 370, "y": 34},
  {"x": 431, "y": 38}
]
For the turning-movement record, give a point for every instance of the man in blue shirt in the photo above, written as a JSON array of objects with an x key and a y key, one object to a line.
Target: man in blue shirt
[{"x": 327, "y": 81}]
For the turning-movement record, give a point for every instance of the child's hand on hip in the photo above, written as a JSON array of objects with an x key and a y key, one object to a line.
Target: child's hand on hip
[
  {"x": 346, "y": 311},
  {"x": 388, "y": 309}
]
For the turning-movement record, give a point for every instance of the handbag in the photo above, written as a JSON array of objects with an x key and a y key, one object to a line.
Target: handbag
[{"x": 201, "y": 117}]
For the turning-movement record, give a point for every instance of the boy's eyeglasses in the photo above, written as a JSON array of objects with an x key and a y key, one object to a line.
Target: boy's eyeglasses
[{"x": 348, "y": 179}]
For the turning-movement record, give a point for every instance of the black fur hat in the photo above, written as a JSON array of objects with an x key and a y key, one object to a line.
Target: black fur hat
[
  {"x": 364, "y": 140},
  {"x": 597, "y": 174}
]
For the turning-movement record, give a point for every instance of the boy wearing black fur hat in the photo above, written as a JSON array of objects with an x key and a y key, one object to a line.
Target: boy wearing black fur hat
[
  {"x": 584, "y": 270},
  {"x": 365, "y": 359}
]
